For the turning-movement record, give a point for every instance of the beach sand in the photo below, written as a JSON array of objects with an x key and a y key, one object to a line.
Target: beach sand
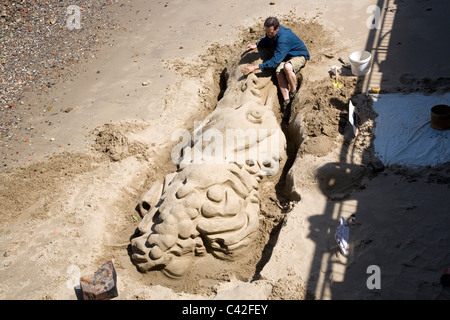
[{"x": 84, "y": 151}]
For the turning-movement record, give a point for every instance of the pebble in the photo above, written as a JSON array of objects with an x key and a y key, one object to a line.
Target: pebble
[{"x": 38, "y": 49}]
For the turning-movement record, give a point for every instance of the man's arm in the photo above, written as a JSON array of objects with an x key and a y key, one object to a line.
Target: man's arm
[
  {"x": 280, "y": 53},
  {"x": 251, "y": 46},
  {"x": 249, "y": 69},
  {"x": 263, "y": 42}
]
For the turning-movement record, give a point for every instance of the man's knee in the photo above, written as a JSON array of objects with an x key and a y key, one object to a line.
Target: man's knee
[{"x": 288, "y": 67}]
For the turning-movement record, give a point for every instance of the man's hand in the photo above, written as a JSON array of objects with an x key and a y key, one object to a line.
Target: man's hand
[
  {"x": 251, "y": 46},
  {"x": 249, "y": 69}
]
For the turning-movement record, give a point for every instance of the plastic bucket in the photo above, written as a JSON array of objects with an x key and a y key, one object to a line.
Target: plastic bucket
[
  {"x": 445, "y": 278},
  {"x": 360, "y": 62},
  {"x": 440, "y": 117}
]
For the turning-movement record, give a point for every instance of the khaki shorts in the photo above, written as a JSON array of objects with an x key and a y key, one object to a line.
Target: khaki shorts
[{"x": 297, "y": 64}]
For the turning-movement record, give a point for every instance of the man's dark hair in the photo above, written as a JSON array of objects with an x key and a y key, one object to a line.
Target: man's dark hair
[{"x": 272, "y": 22}]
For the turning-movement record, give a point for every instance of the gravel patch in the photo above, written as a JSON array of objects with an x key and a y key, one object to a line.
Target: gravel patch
[{"x": 41, "y": 43}]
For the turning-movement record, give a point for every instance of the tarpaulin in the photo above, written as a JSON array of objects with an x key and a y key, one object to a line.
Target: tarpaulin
[{"x": 403, "y": 132}]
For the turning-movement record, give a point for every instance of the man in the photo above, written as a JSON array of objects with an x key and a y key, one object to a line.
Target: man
[{"x": 290, "y": 55}]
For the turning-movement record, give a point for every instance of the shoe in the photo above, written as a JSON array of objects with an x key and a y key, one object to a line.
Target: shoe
[
  {"x": 285, "y": 104},
  {"x": 292, "y": 94}
]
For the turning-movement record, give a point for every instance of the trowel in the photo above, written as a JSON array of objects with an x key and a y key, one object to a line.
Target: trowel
[
  {"x": 344, "y": 64},
  {"x": 336, "y": 82}
]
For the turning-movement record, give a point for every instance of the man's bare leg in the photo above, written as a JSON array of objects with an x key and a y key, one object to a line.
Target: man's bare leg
[
  {"x": 283, "y": 85},
  {"x": 291, "y": 77}
]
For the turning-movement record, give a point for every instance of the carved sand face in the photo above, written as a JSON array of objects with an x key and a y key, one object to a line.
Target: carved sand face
[{"x": 207, "y": 209}]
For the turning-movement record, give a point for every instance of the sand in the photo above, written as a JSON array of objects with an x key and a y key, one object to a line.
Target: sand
[{"x": 68, "y": 195}]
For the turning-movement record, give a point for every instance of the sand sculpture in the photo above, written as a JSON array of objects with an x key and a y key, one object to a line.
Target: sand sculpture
[{"x": 211, "y": 204}]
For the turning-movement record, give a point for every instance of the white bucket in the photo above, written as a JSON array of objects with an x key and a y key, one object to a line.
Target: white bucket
[{"x": 360, "y": 62}]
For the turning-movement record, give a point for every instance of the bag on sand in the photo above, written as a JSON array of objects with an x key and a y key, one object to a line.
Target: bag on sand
[{"x": 341, "y": 237}]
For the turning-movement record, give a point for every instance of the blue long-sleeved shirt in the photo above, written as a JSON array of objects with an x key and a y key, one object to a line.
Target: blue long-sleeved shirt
[{"x": 286, "y": 44}]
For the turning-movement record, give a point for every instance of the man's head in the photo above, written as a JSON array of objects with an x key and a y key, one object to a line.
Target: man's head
[{"x": 271, "y": 26}]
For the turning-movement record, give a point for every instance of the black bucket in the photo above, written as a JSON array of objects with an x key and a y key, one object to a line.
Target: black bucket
[{"x": 440, "y": 117}]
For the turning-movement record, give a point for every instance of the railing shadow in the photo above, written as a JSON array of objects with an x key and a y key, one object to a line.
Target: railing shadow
[
  {"x": 335, "y": 180},
  {"x": 390, "y": 46}
]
